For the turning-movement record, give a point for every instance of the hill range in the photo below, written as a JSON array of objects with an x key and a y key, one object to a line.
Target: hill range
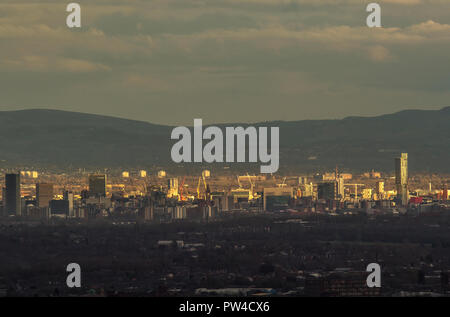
[{"x": 61, "y": 139}]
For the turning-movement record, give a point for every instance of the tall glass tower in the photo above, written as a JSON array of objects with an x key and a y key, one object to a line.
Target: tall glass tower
[
  {"x": 12, "y": 201},
  {"x": 401, "y": 178}
]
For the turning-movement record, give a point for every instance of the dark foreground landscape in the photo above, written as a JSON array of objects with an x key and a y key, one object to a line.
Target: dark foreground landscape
[{"x": 264, "y": 255}]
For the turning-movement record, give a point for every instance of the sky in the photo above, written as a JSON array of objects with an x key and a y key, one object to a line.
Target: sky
[{"x": 170, "y": 61}]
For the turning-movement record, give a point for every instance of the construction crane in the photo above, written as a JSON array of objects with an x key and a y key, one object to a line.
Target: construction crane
[
  {"x": 251, "y": 184},
  {"x": 283, "y": 184},
  {"x": 239, "y": 182}
]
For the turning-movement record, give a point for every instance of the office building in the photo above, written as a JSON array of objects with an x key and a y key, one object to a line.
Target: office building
[
  {"x": 302, "y": 180},
  {"x": 148, "y": 213},
  {"x": 366, "y": 193},
  {"x": 307, "y": 190},
  {"x": 401, "y": 179},
  {"x": 277, "y": 198},
  {"x": 68, "y": 196},
  {"x": 326, "y": 190},
  {"x": 161, "y": 174},
  {"x": 142, "y": 173},
  {"x": 172, "y": 184},
  {"x": 11, "y": 200},
  {"x": 59, "y": 207},
  {"x": 97, "y": 185},
  {"x": 44, "y": 193},
  {"x": 380, "y": 189},
  {"x": 340, "y": 186}
]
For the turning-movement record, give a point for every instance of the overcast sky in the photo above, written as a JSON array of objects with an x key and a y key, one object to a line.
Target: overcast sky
[{"x": 169, "y": 61}]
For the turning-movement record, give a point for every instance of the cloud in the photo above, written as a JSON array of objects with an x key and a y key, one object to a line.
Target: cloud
[
  {"x": 265, "y": 58},
  {"x": 35, "y": 63},
  {"x": 379, "y": 54},
  {"x": 148, "y": 82}
]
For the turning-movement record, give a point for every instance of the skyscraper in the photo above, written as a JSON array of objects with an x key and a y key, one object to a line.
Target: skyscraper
[
  {"x": 12, "y": 202},
  {"x": 68, "y": 195},
  {"x": 380, "y": 189},
  {"x": 172, "y": 184},
  {"x": 340, "y": 188},
  {"x": 327, "y": 190},
  {"x": 44, "y": 193},
  {"x": 97, "y": 185},
  {"x": 401, "y": 178}
]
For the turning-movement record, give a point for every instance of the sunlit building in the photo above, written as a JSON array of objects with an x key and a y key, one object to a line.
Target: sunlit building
[
  {"x": 401, "y": 178},
  {"x": 380, "y": 189},
  {"x": 142, "y": 173},
  {"x": 172, "y": 184},
  {"x": 340, "y": 187},
  {"x": 206, "y": 173},
  {"x": 161, "y": 174}
]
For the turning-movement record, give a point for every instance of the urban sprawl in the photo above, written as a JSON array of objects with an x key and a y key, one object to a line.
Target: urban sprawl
[{"x": 223, "y": 234}]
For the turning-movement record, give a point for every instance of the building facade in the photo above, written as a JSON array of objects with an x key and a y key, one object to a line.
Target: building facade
[
  {"x": 12, "y": 201},
  {"x": 44, "y": 193},
  {"x": 97, "y": 185},
  {"x": 401, "y": 178}
]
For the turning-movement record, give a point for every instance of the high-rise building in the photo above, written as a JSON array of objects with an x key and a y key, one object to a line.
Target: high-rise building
[
  {"x": 11, "y": 200},
  {"x": 327, "y": 190},
  {"x": 44, "y": 193},
  {"x": 68, "y": 196},
  {"x": 380, "y": 189},
  {"x": 97, "y": 185},
  {"x": 3, "y": 211},
  {"x": 172, "y": 184},
  {"x": 340, "y": 186},
  {"x": 401, "y": 178},
  {"x": 59, "y": 207}
]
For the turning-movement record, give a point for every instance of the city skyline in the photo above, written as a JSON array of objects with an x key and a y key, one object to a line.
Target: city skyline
[{"x": 260, "y": 152}]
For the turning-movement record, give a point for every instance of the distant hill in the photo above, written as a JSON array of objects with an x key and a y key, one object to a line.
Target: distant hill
[{"x": 60, "y": 138}]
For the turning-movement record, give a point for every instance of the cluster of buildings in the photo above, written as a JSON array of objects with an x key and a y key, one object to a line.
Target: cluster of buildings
[{"x": 175, "y": 200}]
